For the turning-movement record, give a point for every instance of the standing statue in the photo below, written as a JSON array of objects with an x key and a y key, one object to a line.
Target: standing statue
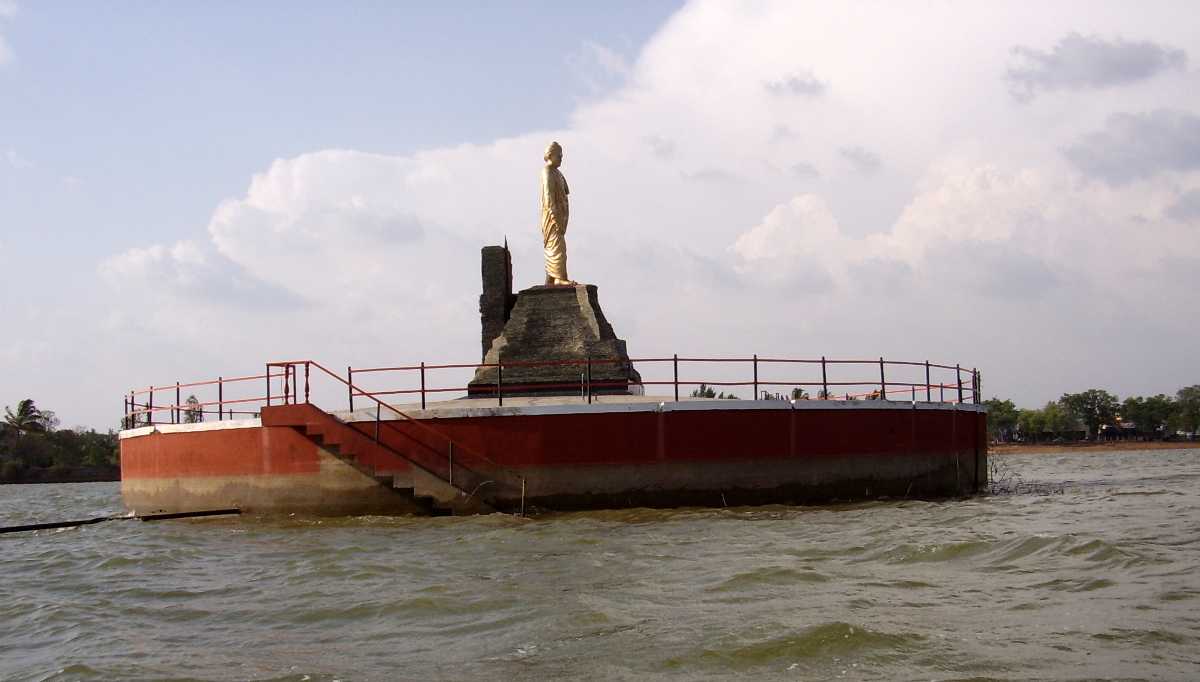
[{"x": 555, "y": 213}]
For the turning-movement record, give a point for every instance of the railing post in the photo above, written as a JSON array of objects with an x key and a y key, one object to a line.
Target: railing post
[
  {"x": 422, "y": 384},
  {"x": 268, "y": 384},
  {"x": 125, "y": 404},
  {"x": 287, "y": 379},
  {"x": 914, "y": 394},
  {"x": 175, "y": 413},
  {"x": 941, "y": 392},
  {"x": 928, "y": 388},
  {"x": 350, "y": 386},
  {"x": 150, "y": 407},
  {"x": 975, "y": 385},
  {"x": 499, "y": 381},
  {"x": 958, "y": 375},
  {"x": 589, "y": 379},
  {"x": 675, "y": 364},
  {"x": 755, "y": 376},
  {"x": 377, "y": 422},
  {"x": 306, "y": 363},
  {"x": 882, "y": 381},
  {"x": 220, "y": 398},
  {"x": 824, "y": 380}
]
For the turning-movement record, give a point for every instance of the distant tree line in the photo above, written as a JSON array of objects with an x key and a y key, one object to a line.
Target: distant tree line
[
  {"x": 34, "y": 449},
  {"x": 706, "y": 391},
  {"x": 1097, "y": 414}
]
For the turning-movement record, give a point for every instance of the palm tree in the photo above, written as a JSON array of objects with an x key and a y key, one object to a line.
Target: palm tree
[{"x": 27, "y": 419}]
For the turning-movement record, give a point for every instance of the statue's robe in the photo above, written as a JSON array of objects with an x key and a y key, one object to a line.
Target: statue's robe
[{"x": 555, "y": 213}]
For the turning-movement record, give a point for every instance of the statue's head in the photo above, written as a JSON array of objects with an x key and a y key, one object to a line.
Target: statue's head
[{"x": 553, "y": 155}]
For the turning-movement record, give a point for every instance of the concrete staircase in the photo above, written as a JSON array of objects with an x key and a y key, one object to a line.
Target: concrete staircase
[{"x": 420, "y": 472}]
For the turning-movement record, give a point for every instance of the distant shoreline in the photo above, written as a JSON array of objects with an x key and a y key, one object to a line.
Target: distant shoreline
[
  {"x": 1090, "y": 448},
  {"x": 67, "y": 475}
]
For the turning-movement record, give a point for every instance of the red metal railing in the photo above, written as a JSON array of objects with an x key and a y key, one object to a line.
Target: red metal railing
[
  {"x": 960, "y": 391},
  {"x": 442, "y": 464},
  {"x": 143, "y": 413},
  {"x": 916, "y": 379}
]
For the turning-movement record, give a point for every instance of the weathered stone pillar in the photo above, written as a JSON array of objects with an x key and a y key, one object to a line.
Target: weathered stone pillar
[{"x": 497, "y": 300}]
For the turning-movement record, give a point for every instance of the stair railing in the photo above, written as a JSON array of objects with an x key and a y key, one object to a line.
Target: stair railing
[{"x": 292, "y": 394}]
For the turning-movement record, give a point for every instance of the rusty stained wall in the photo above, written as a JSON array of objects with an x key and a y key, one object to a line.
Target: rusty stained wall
[
  {"x": 257, "y": 469},
  {"x": 755, "y": 456}
]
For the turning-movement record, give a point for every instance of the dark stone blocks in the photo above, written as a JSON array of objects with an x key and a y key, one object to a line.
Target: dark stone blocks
[
  {"x": 555, "y": 324},
  {"x": 497, "y": 299}
]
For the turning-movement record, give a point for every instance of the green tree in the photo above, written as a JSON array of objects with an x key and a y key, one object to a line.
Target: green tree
[
  {"x": 1149, "y": 415},
  {"x": 1058, "y": 420},
  {"x": 29, "y": 419},
  {"x": 193, "y": 413},
  {"x": 1186, "y": 415},
  {"x": 705, "y": 391},
  {"x": 1031, "y": 424},
  {"x": 1002, "y": 419},
  {"x": 1053, "y": 420},
  {"x": 1093, "y": 407}
]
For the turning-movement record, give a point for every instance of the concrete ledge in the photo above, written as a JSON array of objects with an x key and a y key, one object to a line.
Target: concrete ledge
[
  {"x": 190, "y": 428},
  {"x": 551, "y": 405}
]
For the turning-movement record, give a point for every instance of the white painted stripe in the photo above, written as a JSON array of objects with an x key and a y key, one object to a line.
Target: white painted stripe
[
  {"x": 191, "y": 428},
  {"x": 445, "y": 411}
]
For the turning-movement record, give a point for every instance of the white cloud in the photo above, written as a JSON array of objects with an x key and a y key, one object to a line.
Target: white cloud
[
  {"x": 796, "y": 244},
  {"x": 16, "y": 160},
  {"x": 1080, "y": 62},
  {"x": 708, "y": 230},
  {"x": 863, "y": 160},
  {"x": 803, "y": 83},
  {"x": 598, "y": 68},
  {"x": 8, "y": 10}
]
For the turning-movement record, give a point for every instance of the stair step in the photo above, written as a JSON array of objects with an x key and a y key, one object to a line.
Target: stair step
[{"x": 436, "y": 495}]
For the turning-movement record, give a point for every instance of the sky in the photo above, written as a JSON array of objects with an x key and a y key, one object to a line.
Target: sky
[{"x": 192, "y": 190}]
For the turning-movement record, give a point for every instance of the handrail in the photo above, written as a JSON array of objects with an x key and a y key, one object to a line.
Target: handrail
[
  {"x": 426, "y": 428},
  {"x": 140, "y": 408}
]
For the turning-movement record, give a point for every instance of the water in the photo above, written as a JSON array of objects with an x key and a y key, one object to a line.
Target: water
[{"x": 1089, "y": 571}]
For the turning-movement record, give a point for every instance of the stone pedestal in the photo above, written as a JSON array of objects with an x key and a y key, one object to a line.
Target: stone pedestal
[{"x": 557, "y": 323}]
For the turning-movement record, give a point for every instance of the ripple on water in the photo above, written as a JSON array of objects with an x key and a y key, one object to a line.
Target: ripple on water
[
  {"x": 1178, "y": 595},
  {"x": 1075, "y": 584},
  {"x": 931, "y": 553},
  {"x": 815, "y": 644},
  {"x": 1144, "y": 637},
  {"x": 767, "y": 577}
]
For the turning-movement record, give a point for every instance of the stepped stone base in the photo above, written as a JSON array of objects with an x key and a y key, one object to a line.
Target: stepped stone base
[{"x": 557, "y": 323}]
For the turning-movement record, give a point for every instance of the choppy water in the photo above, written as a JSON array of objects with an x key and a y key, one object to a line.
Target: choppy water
[{"x": 1092, "y": 572}]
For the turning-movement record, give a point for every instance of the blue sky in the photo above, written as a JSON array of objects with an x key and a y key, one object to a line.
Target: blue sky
[
  {"x": 137, "y": 120},
  {"x": 193, "y": 189}
]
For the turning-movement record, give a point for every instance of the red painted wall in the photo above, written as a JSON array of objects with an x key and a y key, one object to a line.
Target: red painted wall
[
  {"x": 566, "y": 440},
  {"x": 686, "y": 436},
  {"x": 220, "y": 452}
]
